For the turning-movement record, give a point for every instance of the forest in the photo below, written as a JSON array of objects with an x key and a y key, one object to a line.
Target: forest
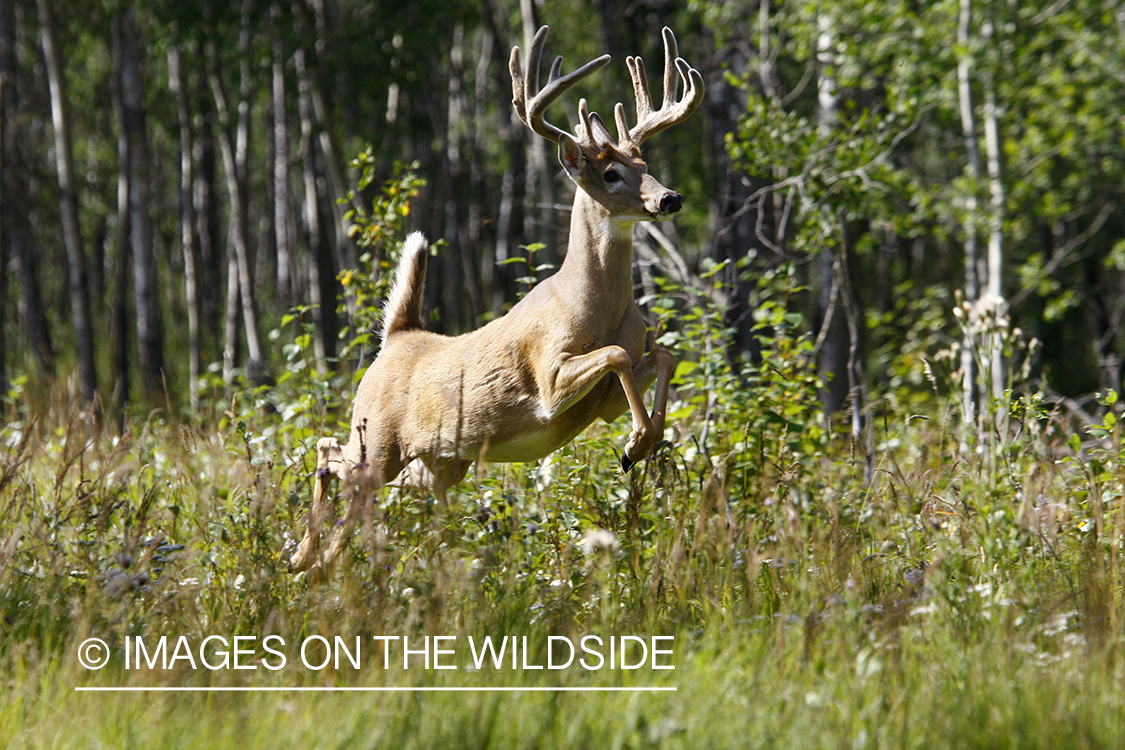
[{"x": 180, "y": 176}]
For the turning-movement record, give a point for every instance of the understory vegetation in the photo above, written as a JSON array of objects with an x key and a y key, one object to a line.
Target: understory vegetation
[{"x": 918, "y": 582}]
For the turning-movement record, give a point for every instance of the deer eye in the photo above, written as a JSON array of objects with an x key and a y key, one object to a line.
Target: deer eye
[{"x": 611, "y": 176}]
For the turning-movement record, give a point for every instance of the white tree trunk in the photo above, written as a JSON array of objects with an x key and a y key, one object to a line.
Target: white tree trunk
[
  {"x": 68, "y": 198},
  {"x": 972, "y": 279},
  {"x": 178, "y": 86},
  {"x": 994, "y": 285}
]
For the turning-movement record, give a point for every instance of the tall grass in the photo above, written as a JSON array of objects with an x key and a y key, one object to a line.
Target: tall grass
[
  {"x": 819, "y": 594},
  {"x": 896, "y": 591}
]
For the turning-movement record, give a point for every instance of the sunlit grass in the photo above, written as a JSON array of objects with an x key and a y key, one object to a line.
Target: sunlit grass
[{"x": 820, "y": 594}]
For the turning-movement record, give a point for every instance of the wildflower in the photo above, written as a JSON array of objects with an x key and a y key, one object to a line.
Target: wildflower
[
  {"x": 987, "y": 314},
  {"x": 599, "y": 540}
]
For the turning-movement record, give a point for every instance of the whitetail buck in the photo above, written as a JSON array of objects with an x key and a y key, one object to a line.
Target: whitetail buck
[{"x": 528, "y": 382}]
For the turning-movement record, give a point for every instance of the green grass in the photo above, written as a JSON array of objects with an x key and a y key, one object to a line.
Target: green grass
[{"x": 821, "y": 594}]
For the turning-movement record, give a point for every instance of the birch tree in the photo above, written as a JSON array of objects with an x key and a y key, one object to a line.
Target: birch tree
[
  {"x": 68, "y": 203},
  {"x": 994, "y": 284},
  {"x": 972, "y": 269},
  {"x": 134, "y": 150},
  {"x": 234, "y": 143},
  {"x": 832, "y": 341},
  {"x": 282, "y": 222},
  {"x": 984, "y": 308},
  {"x": 320, "y": 261},
  {"x": 177, "y": 83}
]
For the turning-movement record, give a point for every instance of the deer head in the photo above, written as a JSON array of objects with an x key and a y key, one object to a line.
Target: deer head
[{"x": 609, "y": 171}]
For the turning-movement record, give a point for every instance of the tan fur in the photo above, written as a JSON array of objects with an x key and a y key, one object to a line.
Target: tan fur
[{"x": 528, "y": 382}]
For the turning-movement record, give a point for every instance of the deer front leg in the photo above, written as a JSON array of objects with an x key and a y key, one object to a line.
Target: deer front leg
[
  {"x": 578, "y": 374},
  {"x": 657, "y": 366}
]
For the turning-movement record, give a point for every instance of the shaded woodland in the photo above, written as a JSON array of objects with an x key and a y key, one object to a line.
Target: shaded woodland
[{"x": 937, "y": 179}]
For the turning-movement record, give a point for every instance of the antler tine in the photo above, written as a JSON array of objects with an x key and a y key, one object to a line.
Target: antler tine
[
  {"x": 531, "y": 104},
  {"x": 671, "y": 111}
]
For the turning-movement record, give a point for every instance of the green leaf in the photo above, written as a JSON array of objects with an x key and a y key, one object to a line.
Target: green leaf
[{"x": 685, "y": 368}]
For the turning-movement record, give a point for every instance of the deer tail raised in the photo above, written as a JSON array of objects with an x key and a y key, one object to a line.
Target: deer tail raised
[{"x": 403, "y": 311}]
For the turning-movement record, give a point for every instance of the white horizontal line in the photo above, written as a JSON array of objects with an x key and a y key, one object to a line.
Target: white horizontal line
[{"x": 334, "y": 689}]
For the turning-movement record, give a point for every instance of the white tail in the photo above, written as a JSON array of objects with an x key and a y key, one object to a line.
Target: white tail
[
  {"x": 570, "y": 352},
  {"x": 403, "y": 310}
]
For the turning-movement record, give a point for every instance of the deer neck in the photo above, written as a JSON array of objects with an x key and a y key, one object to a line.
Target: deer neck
[{"x": 598, "y": 267}]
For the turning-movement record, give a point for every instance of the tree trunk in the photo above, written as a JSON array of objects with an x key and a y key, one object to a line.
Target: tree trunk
[
  {"x": 510, "y": 211},
  {"x": 236, "y": 229},
  {"x": 177, "y": 83},
  {"x": 281, "y": 220},
  {"x": 247, "y": 295},
  {"x": 3, "y": 253},
  {"x": 7, "y": 100},
  {"x": 540, "y": 219},
  {"x": 336, "y": 232},
  {"x": 322, "y": 273},
  {"x": 479, "y": 243},
  {"x": 231, "y": 311},
  {"x": 32, "y": 309},
  {"x": 453, "y": 280},
  {"x": 15, "y": 205},
  {"x": 150, "y": 335},
  {"x": 994, "y": 285},
  {"x": 119, "y": 325},
  {"x": 206, "y": 212},
  {"x": 234, "y": 150},
  {"x": 735, "y": 219},
  {"x": 835, "y": 341},
  {"x": 972, "y": 271},
  {"x": 981, "y": 274},
  {"x": 68, "y": 199}
]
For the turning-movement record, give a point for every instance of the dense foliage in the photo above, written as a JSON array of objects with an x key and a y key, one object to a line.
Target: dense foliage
[{"x": 887, "y": 150}]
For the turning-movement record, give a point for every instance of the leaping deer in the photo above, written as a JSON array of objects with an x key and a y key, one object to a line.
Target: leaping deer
[{"x": 528, "y": 382}]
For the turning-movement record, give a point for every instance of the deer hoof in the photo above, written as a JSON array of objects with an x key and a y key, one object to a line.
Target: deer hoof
[{"x": 638, "y": 448}]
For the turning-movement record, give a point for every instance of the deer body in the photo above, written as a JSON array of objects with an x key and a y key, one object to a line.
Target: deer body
[{"x": 571, "y": 351}]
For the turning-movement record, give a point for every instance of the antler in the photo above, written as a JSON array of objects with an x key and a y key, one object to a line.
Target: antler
[
  {"x": 671, "y": 111},
  {"x": 530, "y": 103}
]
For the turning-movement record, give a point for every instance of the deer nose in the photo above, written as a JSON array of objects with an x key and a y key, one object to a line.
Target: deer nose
[{"x": 671, "y": 203}]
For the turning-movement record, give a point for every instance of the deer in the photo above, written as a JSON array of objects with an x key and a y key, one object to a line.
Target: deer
[{"x": 571, "y": 351}]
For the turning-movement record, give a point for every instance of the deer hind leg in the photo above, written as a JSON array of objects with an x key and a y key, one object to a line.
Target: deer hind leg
[
  {"x": 327, "y": 560},
  {"x": 330, "y": 463},
  {"x": 439, "y": 476},
  {"x": 361, "y": 483}
]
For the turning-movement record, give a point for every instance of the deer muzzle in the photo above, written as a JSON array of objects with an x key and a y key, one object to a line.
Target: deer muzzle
[{"x": 670, "y": 203}]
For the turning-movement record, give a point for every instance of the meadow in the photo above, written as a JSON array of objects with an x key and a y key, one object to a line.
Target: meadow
[{"x": 920, "y": 584}]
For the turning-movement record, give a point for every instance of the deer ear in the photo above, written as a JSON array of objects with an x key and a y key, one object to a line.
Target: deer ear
[
  {"x": 570, "y": 156},
  {"x": 602, "y": 136}
]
